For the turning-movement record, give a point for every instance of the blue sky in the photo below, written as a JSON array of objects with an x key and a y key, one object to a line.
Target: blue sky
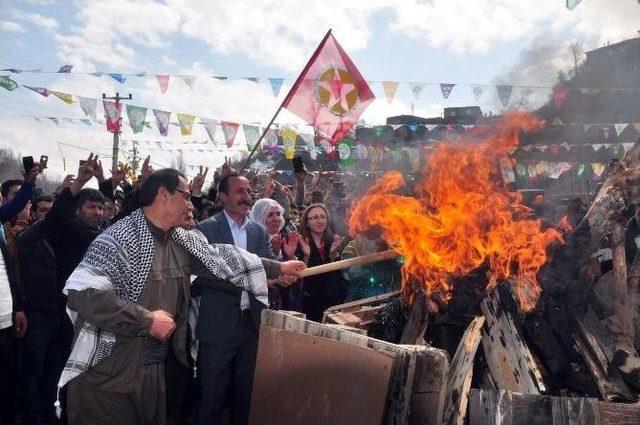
[{"x": 519, "y": 42}]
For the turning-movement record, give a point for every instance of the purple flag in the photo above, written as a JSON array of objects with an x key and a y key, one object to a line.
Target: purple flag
[{"x": 162, "y": 120}]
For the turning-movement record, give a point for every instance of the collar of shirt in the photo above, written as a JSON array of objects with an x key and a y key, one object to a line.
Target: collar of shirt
[{"x": 232, "y": 222}]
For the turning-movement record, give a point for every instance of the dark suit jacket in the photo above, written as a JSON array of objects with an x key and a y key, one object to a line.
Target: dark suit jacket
[{"x": 220, "y": 300}]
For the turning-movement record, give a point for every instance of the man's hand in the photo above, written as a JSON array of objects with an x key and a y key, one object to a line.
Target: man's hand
[
  {"x": 146, "y": 168},
  {"x": 20, "y": 324},
  {"x": 292, "y": 267},
  {"x": 98, "y": 171},
  {"x": 119, "y": 174},
  {"x": 226, "y": 167},
  {"x": 162, "y": 326},
  {"x": 198, "y": 181},
  {"x": 32, "y": 175},
  {"x": 85, "y": 173}
]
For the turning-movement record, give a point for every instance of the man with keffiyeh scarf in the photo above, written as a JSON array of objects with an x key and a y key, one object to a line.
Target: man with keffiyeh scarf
[{"x": 129, "y": 301}]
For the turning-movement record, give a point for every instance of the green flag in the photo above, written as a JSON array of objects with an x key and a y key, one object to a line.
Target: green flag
[{"x": 7, "y": 83}]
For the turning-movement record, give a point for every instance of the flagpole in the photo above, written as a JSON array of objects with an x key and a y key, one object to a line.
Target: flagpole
[{"x": 286, "y": 100}]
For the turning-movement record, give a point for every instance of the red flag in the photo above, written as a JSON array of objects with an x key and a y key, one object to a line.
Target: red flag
[
  {"x": 112, "y": 112},
  {"x": 330, "y": 93},
  {"x": 560, "y": 96}
]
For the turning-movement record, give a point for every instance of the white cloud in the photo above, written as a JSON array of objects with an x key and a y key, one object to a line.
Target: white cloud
[
  {"x": 476, "y": 26},
  {"x": 10, "y": 26},
  {"x": 44, "y": 22}
]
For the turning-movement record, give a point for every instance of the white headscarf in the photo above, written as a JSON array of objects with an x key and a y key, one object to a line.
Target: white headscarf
[{"x": 260, "y": 211}]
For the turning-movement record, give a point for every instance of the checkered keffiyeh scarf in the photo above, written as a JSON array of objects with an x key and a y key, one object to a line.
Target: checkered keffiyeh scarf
[{"x": 120, "y": 259}]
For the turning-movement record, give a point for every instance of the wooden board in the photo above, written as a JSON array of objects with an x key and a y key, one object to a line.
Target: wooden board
[
  {"x": 307, "y": 380},
  {"x": 460, "y": 374},
  {"x": 508, "y": 357},
  {"x": 488, "y": 407},
  {"x": 419, "y": 374}
]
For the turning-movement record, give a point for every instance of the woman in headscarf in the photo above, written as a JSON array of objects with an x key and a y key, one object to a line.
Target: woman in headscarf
[{"x": 270, "y": 213}]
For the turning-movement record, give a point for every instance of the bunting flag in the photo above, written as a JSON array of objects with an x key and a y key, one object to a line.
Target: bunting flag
[
  {"x": 560, "y": 96},
  {"x": 446, "y": 88},
  {"x": 88, "y": 106},
  {"x": 390, "y": 88},
  {"x": 65, "y": 97},
  {"x": 112, "y": 112},
  {"x": 605, "y": 131},
  {"x": 163, "y": 82},
  {"x": 7, "y": 83},
  {"x": 276, "y": 85},
  {"x": 137, "y": 115},
  {"x": 210, "y": 126},
  {"x": 141, "y": 74},
  {"x": 252, "y": 79},
  {"x": 330, "y": 93},
  {"x": 627, "y": 146},
  {"x": 416, "y": 89},
  {"x": 54, "y": 119},
  {"x": 65, "y": 69},
  {"x": 636, "y": 125},
  {"x": 189, "y": 80},
  {"x": 221, "y": 78},
  {"x": 12, "y": 70},
  {"x": 271, "y": 141},
  {"x": 572, "y": 4},
  {"x": 229, "y": 129},
  {"x": 581, "y": 169},
  {"x": 162, "y": 121},
  {"x": 309, "y": 141},
  {"x": 477, "y": 92},
  {"x": 504, "y": 93},
  {"x": 96, "y": 74},
  {"x": 251, "y": 135},
  {"x": 121, "y": 78},
  {"x": 40, "y": 90},
  {"x": 289, "y": 137},
  {"x": 598, "y": 168},
  {"x": 620, "y": 128},
  {"x": 345, "y": 152},
  {"x": 186, "y": 123}
]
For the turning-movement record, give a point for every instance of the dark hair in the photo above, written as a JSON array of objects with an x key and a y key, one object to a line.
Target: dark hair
[
  {"x": 223, "y": 185},
  {"x": 327, "y": 236},
  {"x": 43, "y": 198},
  {"x": 168, "y": 178},
  {"x": 8, "y": 184},
  {"x": 89, "y": 195}
]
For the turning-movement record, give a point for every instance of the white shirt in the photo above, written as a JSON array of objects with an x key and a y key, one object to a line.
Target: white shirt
[
  {"x": 6, "y": 302},
  {"x": 239, "y": 234}
]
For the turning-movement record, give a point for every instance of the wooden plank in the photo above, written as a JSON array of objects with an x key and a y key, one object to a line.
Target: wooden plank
[
  {"x": 416, "y": 326},
  {"x": 306, "y": 380},
  {"x": 432, "y": 368},
  {"x": 509, "y": 359},
  {"x": 488, "y": 407},
  {"x": 609, "y": 382},
  {"x": 460, "y": 374}
]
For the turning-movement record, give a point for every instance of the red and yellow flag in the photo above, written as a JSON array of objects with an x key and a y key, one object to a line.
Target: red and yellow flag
[{"x": 330, "y": 93}]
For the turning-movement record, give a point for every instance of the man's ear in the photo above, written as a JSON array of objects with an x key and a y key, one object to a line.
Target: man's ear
[{"x": 163, "y": 193}]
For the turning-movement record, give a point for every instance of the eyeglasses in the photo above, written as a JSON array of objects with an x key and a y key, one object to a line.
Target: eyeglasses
[
  {"x": 317, "y": 217},
  {"x": 185, "y": 193}
]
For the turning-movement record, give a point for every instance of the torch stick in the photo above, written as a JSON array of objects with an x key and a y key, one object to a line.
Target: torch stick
[{"x": 350, "y": 262}]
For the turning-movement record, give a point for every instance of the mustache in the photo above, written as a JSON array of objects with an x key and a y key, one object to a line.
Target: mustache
[{"x": 247, "y": 203}]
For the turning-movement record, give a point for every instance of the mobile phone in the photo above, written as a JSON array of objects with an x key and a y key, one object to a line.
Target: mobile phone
[
  {"x": 298, "y": 164},
  {"x": 82, "y": 161},
  {"x": 43, "y": 160},
  {"x": 27, "y": 162}
]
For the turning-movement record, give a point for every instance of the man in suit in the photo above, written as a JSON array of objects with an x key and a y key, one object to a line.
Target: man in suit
[{"x": 229, "y": 318}]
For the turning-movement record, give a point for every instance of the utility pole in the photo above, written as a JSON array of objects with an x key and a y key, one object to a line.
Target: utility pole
[
  {"x": 116, "y": 134},
  {"x": 135, "y": 159}
]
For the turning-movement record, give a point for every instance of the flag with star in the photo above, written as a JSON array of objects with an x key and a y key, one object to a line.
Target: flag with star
[{"x": 330, "y": 93}]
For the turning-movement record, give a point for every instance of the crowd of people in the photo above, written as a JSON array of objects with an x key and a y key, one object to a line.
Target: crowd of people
[{"x": 110, "y": 298}]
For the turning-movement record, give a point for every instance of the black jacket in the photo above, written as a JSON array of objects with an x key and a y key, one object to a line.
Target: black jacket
[
  {"x": 69, "y": 237},
  {"x": 38, "y": 272}
]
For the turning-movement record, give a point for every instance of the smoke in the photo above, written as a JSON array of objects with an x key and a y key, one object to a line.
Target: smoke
[{"x": 538, "y": 66}]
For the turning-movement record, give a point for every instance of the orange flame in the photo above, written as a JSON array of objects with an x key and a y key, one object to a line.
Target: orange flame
[{"x": 463, "y": 216}]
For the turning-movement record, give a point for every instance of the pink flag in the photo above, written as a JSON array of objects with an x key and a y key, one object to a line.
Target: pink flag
[
  {"x": 229, "y": 129},
  {"x": 560, "y": 96},
  {"x": 330, "y": 93},
  {"x": 163, "y": 82}
]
